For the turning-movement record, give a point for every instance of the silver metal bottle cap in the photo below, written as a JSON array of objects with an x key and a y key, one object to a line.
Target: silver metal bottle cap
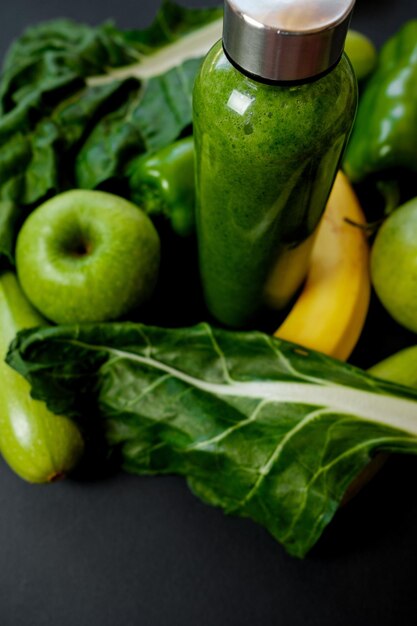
[{"x": 285, "y": 40}]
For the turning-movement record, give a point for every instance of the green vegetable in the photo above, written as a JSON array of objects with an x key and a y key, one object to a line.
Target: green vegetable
[
  {"x": 385, "y": 132},
  {"x": 78, "y": 104},
  {"x": 362, "y": 54},
  {"x": 162, "y": 183},
  {"x": 37, "y": 445},
  {"x": 399, "y": 368},
  {"x": 259, "y": 427}
]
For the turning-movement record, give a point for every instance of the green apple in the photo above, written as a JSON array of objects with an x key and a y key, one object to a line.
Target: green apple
[
  {"x": 362, "y": 53},
  {"x": 87, "y": 256},
  {"x": 394, "y": 265}
]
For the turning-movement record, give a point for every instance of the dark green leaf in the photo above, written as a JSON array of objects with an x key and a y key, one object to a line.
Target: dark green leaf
[
  {"x": 258, "y": 426},
  {"x": 166, "y": 107},
  {"x": 41, "y": 162},
  {"x": 148, "y": 119},
  {"x": 58, "y": 129},
  {"x": 67, "y": 45},
  {"x": 172, "y": 22}
]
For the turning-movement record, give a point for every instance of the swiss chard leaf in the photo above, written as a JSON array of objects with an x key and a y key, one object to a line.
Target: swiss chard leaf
[
  {"x": 172, "y": 23},
  {"x": 259, "y": 427},
  {"x": 92, "y": 51},
  {"x": 149, "y": 119},
  {"x": 38, "y": 159},
  {"x": 67, "y": 119}
]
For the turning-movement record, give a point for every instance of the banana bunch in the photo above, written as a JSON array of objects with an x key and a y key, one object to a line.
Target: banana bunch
[{"x": 330, "y": 312}]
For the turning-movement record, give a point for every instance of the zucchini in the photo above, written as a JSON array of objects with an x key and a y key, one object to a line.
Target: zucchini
[{"x": 38, "y": 445}]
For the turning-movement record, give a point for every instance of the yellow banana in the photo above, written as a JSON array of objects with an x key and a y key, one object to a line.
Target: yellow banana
[{"x": 330, "y": 312}]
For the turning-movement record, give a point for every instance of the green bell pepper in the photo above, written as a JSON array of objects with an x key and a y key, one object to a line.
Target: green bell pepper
[
  {"x": 162, "y": 183},
  {"x": 384, "y": 137}
]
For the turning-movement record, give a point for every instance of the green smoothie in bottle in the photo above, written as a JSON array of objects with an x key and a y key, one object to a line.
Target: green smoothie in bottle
[{"x": 274, "y": 104}]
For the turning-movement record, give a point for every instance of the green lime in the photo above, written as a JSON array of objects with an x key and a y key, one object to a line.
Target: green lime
[
  {"x": 361, "y": 52},
  {"x": 394, "y": 265}
]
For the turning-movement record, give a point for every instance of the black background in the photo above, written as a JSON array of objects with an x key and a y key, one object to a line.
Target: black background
[{"x": 144, "y": 552}]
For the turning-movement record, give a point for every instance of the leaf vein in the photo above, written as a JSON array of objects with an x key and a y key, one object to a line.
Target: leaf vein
[
  {"x": 266, "y": 469},
  {"x": 229, "y": 431}
]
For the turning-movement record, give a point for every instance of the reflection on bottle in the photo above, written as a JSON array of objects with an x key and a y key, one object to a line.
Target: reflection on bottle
[{"x": 239, "y": 102}]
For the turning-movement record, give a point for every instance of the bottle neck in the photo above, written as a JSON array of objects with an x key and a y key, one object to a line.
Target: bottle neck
[{"x": 281, "y": 83}]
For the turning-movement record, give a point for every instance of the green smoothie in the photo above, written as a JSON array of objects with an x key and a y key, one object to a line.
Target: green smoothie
[{"x": 267, "y": 156}]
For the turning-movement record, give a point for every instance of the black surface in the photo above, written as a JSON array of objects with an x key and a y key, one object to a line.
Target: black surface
[{"x": 145, "y": 552}]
